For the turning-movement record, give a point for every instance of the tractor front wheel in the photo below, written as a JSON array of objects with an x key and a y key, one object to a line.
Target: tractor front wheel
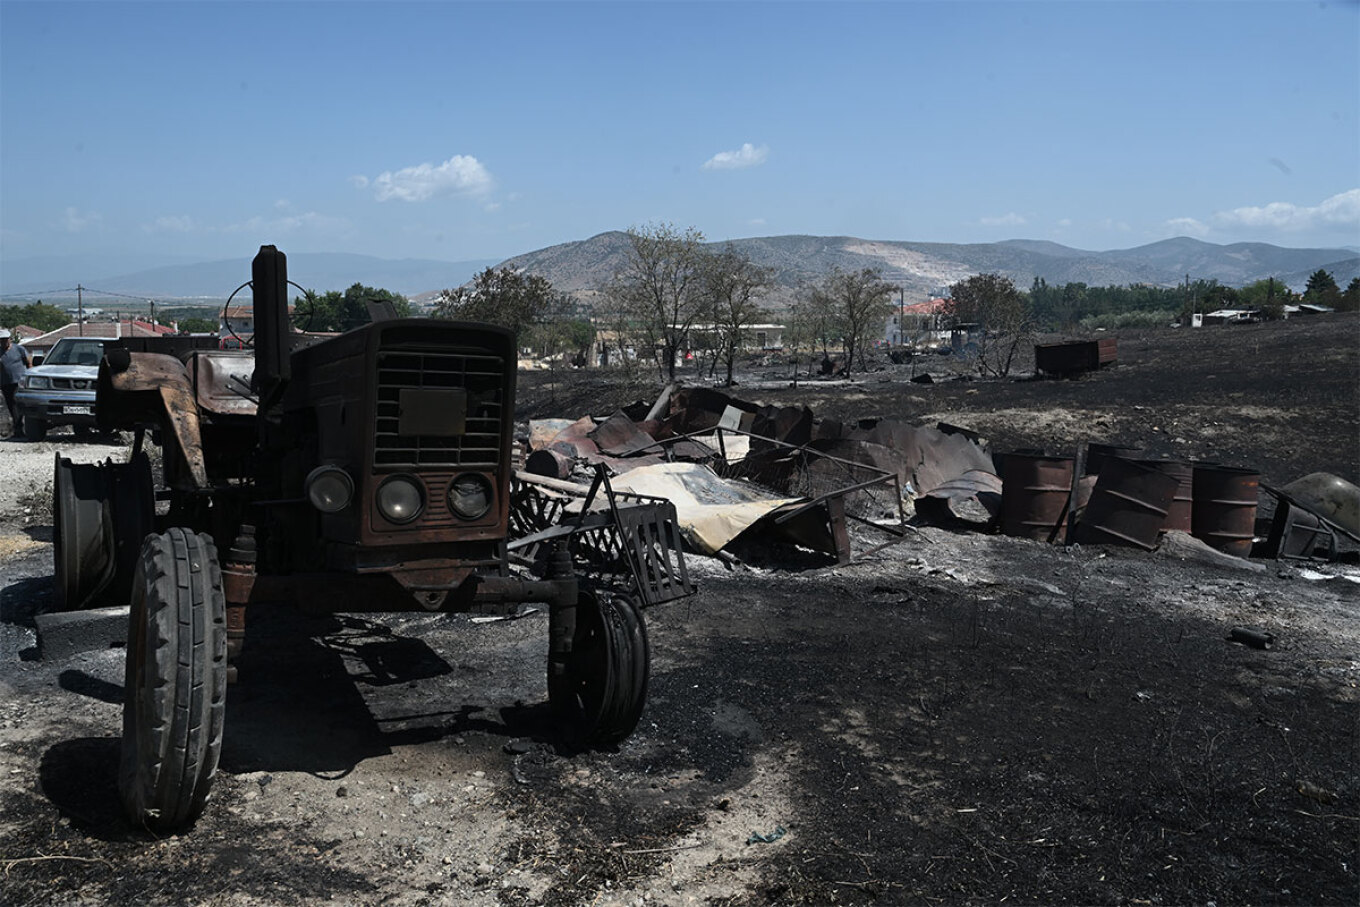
[
  {"x": 174, "y": 694},
  {"x": 597, "y": 687}
]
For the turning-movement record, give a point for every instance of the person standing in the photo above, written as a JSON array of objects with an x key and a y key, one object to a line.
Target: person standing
[{"x": 14, "y": 363}]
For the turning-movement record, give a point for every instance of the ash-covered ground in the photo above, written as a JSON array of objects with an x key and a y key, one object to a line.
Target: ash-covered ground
[{"x": 955, "y": 718}]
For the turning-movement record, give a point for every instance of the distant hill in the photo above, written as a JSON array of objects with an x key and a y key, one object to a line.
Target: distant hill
[
  {"x": 583, "y": 266},
  {"x": 922, "y": 269},
  {"x": 320, "y": 271}
]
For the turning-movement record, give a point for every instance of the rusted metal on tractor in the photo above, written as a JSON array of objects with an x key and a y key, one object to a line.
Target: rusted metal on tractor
[{"x": 369, "y": 472}]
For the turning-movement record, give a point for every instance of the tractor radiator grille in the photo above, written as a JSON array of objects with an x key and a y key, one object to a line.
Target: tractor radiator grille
[{"x": 479, "y": 374}]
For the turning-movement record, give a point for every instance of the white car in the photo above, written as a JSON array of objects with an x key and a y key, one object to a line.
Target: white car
[{"x": 61, "y": 390}]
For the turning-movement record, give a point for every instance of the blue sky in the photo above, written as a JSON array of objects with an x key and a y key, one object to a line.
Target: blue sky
[{"x": 458, "y": 131}]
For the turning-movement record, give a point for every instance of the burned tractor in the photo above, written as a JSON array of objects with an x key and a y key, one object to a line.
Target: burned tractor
[{"x": 366, "y": 472}]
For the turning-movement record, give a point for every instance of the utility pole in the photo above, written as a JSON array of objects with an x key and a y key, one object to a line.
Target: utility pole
[
  {"x": 901, "y": 314},
  {"x": 80, "y": 308}
]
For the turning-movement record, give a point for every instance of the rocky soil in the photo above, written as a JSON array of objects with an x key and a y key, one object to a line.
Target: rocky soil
[{"x": 954, "y": 718}]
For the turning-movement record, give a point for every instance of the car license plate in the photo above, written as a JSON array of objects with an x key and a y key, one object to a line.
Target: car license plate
[{"x": 78, "y": 410}]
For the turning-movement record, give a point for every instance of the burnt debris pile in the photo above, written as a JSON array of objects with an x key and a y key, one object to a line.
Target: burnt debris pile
[{"x": 777, "y": 484}]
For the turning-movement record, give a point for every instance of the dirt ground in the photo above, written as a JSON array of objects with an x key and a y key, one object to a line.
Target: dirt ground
[{"x": 958, "y": 718}]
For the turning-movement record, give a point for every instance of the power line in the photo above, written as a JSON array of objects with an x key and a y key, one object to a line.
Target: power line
[
  {"x": 38, "y": 293},
  {"x": 118, "y": 295},
  {"x": 88, "y": 290}
]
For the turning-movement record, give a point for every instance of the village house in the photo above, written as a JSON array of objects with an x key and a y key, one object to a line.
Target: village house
[{"x": 39, "y": 345}]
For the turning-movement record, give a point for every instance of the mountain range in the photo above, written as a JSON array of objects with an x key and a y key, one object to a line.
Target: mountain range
[
  {"x": 925, "y": 269},
  {"x": 582, "y": 267},
  {"x": 54, "y": 278}
]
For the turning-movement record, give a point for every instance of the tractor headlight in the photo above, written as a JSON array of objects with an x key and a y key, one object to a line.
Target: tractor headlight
[
  {"x": 330, "y": 489},
  {"x": 400, "y": 499},
  {"x": 470, "y": 496},
  {"x": 37, "y": 382}
]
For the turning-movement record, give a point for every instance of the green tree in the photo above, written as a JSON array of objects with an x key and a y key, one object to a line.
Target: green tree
[
  {"x": 1002, "y": 314},
  {"x": 503, "y": 296},
  {"x": 1321, "y": 289},
  {"x": 1350, "y": 300},
  {"x": 1219, "y": 297},
  {"x": 659, "y": 289},
  {"x": 198, "y": 325},
  {"x": 1268, "y": 296},
  {"x": 335, "y": 311},
  {"x": 38, "y": 314},
  {"x": 559, "y": 335},
  {"x": 732, "y": 282},
  {"x": 859, "y": 303},
  {"x": 813, "y": 322}
]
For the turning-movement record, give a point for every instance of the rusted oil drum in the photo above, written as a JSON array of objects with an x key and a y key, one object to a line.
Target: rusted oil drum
[
  {"x": 1034, "y": 492},
  {"x": 1224, "y": 511},
  {"x": 1296, "y": 533},
  {"x": 1128, "y": 506},
  {"x": 1097, "y": 454},
  {"x": 1179, "y": 516},
  {"x": 552, "y": 464}
]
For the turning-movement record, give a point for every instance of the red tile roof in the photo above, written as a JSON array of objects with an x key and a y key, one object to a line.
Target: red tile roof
[
  {"x": 925, "y": 308},
  {"x": 99, "y": 329}
]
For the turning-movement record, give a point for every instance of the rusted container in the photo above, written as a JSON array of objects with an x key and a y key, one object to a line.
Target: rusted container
[
  {"x": 1223, "y": 514},
  {"x": 1128, "y": 506},
  {"x": 1179, "y": 515},
  {"x": 1097, "y": 454},
  {"x": 549, "y": 463},
  {"x": 1075, "y": 356},
  {"x": 1034, "y": 492},
  {"x": 1296, "y": 533}
]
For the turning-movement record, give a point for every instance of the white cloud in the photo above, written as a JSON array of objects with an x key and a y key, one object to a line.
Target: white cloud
[
  {"x": 1065, "y": 222},
  {"x": 459, "y": 175},
  {"x": 309, "y": 222},
  {"x": 181, "y": 223},
  {"x": 1340, "y": 212},
  {"x": 359, "y": 181},
  {"x": 76, "y": 221},
  {"x": 1010, "y": 219},
  {"x": 747, "y": 155},
  {"x": 1187, "y": 226}
]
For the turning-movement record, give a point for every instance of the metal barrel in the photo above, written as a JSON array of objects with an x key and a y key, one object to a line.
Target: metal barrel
[
  {"x": 1097, "y": 454},
  {"x": 1179, "y": 515},
  {"x": 1034, "y": 492},
  {"x": 549, "y": 463},
  {"x": 1128, "y": 505},
  {"x": 1223, "y": 515},
  {"x": 1296, "y": 533}
]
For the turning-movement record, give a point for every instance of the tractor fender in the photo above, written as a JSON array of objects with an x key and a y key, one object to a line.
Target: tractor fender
[{"x": 140, "y": 388}]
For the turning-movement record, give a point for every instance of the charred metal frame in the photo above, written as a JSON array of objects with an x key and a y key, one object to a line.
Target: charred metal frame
[
  {"x": 794, "y": 519},
  {"x": 633, "y": 541}
]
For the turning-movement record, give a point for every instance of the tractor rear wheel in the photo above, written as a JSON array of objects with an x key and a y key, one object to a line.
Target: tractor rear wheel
[
  {"x": 174, "y": 693},
  {"x": 101, "y": 512},
  {"x": 600, "y": 687}
]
